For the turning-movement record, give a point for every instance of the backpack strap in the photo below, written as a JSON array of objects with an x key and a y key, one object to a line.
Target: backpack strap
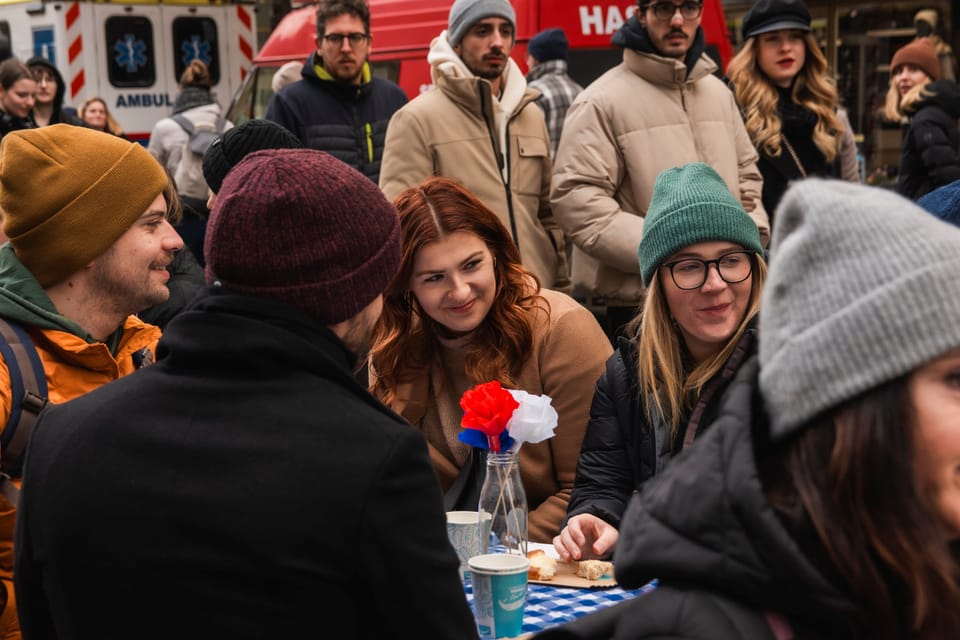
[
  {"x": 184, "y": 122},
  {"x": 28, "y": 396}
]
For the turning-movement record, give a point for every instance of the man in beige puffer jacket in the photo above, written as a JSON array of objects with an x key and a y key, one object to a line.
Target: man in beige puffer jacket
[{"x": 660, "y": 108}]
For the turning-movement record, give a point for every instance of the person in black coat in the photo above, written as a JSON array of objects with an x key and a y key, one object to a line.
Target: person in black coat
[
  {"x": 701, "y": 261},
  {"x": 17, "y": 88},
  {"x": 930, "y": 155},
  {"x": 788, "y": 101},
  {"x": 246, "y": 486},
  {"x": 339, "y": 106},
  {"x": 822, "y": 502}
]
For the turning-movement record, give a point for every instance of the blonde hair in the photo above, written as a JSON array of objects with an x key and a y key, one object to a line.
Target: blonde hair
[
  {"x": 665, "y": 383},
  {"x": 196, "y": 75},
  {"x": 895, "y": 108},
  {"x": 111, "y": 126},
  {"x": 757, "y": 97}
]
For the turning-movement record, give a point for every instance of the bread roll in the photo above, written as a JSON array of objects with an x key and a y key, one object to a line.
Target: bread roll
[
  {"x": 542, "y": 566},
  {"x": 594, "y": 569}
]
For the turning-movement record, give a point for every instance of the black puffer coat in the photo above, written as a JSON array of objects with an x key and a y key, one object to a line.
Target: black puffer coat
[
  {"x": 347, "y": 121},
  {"x": 723, "y": 558},
  {"x": 930, "y": 155},
  {"x": 623, "y": 448}
]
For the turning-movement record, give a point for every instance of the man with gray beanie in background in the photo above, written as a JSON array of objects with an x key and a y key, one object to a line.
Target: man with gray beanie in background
[
  {"x": 547, "y": 64},
  {"x": 246, "y": 486},
  {"x": 482, "y": 128}
]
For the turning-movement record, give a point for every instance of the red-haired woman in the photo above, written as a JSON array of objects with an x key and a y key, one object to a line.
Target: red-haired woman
[{"x": 463, "y": 310}]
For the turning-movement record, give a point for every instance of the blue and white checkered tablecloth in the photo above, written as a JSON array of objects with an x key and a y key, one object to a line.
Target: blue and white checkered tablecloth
[{"x": 549, "y": 606}]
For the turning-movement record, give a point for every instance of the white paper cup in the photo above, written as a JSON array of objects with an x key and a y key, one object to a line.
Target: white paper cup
[
  {"x": 464, "y": 532},
  {"x": 499, "y": 593}
]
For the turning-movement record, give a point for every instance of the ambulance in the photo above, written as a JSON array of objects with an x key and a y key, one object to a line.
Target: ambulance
[
  {"x": 403, "y": 29},
  {"x": 131, "y": 54}
]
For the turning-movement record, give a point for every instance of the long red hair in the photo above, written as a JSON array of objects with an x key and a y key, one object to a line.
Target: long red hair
[{"x": 405, "y": 340}]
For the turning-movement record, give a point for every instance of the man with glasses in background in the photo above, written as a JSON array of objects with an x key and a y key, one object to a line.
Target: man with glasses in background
[
  {"x": 338, "y": 106},
  {"x": 661, "y": 107}
]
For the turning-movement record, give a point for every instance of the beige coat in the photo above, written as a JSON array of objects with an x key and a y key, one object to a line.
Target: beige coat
[
  {"x": 568, "y": 355},
  {"x": 638, "y": 119},
  {"x": 453, "y": 131}
]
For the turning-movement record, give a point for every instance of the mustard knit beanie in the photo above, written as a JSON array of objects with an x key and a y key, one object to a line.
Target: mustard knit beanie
[
  {"x": 691, "y": 204},
  {"x": 68, "y": 193}
]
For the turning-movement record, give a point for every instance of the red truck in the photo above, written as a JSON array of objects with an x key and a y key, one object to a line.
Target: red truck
[{"x": 403, "y": 29}]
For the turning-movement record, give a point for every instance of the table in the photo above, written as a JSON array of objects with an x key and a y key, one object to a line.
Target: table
[{"x": 549, "y": 606}]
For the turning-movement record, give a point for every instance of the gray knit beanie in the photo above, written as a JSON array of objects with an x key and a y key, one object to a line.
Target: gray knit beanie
[
  {"x": 863, "y": 288},
  {"x": 691, "y": 204},
  {"x": 465, "y": 13}
]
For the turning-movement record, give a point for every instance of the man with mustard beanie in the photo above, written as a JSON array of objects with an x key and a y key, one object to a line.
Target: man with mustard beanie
[
  {"x": 255, "y": 488},
  {"x": 89, "y": 246},
  {"x": 482, "y": 128}
]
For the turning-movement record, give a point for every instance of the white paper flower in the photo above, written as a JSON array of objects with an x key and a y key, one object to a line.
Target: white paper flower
[{"x": 534, "y": 420}]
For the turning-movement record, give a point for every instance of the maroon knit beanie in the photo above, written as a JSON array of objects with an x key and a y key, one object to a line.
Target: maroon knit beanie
[
  {"x": 920, "y": 53},
  {"x": 301, "y": 227}
]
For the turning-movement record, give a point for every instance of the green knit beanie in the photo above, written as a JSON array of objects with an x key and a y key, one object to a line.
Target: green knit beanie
[{"x": 691, "y": 204}]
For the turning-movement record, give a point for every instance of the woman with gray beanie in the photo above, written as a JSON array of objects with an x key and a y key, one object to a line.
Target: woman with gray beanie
[
  {"x": 824, "y": 502},
  {"x": 701, "y": 261}
]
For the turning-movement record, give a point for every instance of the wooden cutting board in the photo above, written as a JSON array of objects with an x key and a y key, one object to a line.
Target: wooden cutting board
[{"x": 567, "y": 577}]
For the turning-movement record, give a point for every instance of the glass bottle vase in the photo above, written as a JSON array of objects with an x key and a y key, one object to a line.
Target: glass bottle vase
[{"x": 503, "y": 506}]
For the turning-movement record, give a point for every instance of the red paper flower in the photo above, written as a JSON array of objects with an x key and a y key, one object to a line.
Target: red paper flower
[{"x": 488, "y": 408}]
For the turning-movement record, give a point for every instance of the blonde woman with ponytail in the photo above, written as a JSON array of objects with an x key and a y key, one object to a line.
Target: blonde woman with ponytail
[
  {"x": 789, "y": 104},
  {"x": 702, "y": 264}
]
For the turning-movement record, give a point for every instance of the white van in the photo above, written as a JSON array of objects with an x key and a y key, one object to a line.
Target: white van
[{"x": 132, "y": 55}]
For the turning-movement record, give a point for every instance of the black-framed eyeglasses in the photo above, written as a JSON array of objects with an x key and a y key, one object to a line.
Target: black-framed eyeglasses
[
  {"x": 664, "y": 11},
  {"x": 691, "y": 273},
  {"x": 356, "y": 39}
]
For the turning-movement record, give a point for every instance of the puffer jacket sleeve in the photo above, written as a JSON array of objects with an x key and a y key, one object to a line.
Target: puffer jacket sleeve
[
  {"x": 407, "y": 157},
  {"x": 751, "y": 182},
  {"x": 604, "y": 480},
  {"x": 588, "y": 168},
  {"x": 937, "y": 150}
]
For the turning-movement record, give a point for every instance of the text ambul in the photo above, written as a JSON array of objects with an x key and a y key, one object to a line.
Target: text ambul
[{"x": 143, "y": 100}]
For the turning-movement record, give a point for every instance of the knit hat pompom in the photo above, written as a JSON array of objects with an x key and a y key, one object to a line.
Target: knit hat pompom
[
  {"x": 303, "y": 228},
  {"x": 921, "y": 54},
  {"x": 465, "y": 13},
  {"x": 862, "y": 289},
  {"x": 233, "y": 146},
  {"x": 549, "y": 45},
  {"x": 691, "y": 204},
  {"x": 68, "y": 193}
]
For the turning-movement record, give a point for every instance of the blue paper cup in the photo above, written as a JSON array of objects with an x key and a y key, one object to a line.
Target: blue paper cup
[{"x": 499, "y": 593}]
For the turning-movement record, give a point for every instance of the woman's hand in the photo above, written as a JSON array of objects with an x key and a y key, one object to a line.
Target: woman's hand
[{"x": 586, "y": 537}]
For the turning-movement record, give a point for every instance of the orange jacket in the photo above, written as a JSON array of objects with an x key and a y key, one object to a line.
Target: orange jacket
[{"x": 73, "y": 367}]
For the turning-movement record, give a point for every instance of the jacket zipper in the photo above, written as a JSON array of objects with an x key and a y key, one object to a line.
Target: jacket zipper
[{"x": 500, "y": 161}]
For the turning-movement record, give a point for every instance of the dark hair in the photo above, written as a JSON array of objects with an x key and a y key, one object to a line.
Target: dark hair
[
  {"x": 196, "y": 75},
  {"x": 335, "y": 8},
  {"x": 174, "y": 207},
  {"x": 12, "y": 70},
  {"x": 405, "y": 338},
  {"x": 849, "y": 483}
]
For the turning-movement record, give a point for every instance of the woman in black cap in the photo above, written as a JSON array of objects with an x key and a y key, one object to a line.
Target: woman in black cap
[{"x": 788, "y": 102}]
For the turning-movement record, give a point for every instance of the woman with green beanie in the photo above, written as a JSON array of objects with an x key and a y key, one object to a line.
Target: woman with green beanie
[{"x": 702, "y": 264}]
